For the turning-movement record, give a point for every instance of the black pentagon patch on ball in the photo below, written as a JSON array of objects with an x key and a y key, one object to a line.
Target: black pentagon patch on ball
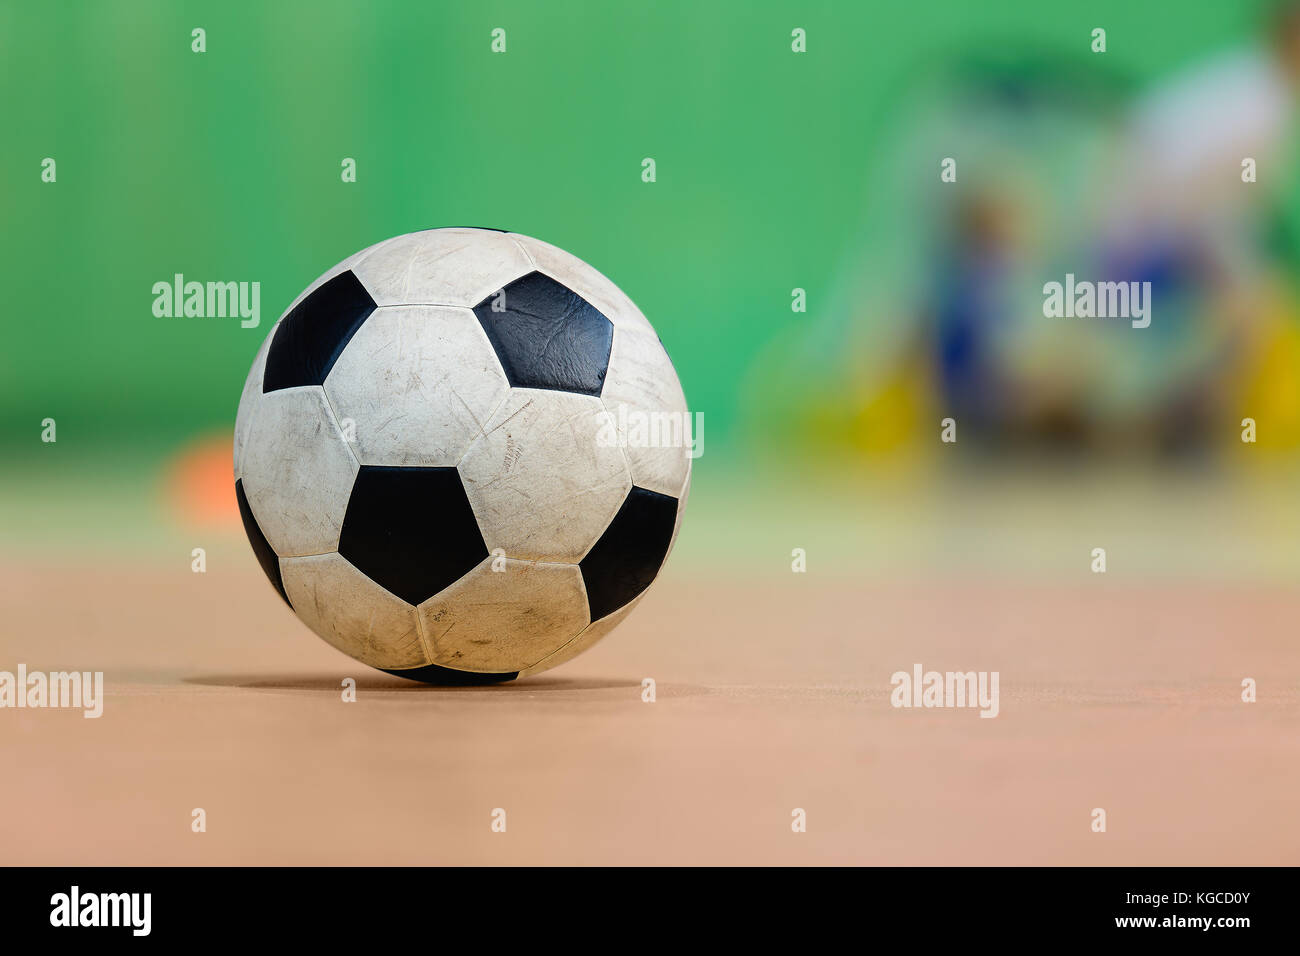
[
  {"x": 547, "y": 336},
  {"x": 629, "y": 554},
  {"x": 310, "y": 339},
  {"x": 433, "y": 674},
  {"x": 266, "y": 556},
  {"x": 410, "y": 530}
]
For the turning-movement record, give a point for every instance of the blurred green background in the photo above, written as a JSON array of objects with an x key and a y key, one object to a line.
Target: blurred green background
[
  {"x": 775, "y": 170},
  {"x": 226, "y": 165}
]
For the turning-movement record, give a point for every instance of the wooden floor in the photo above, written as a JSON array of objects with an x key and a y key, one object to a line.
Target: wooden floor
[{"x": 772, "y": 694}]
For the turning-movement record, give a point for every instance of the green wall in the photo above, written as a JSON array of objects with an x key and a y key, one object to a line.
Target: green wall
[{"x": 225, "y": 165}]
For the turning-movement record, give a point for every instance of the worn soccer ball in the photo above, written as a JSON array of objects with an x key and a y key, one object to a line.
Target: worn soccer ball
[{"x": 453, "y": 459}]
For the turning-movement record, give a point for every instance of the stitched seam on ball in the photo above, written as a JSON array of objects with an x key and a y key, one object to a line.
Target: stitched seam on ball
[
  {"x": 424, "y": 640},
  {"x": 527, "y": 255}
]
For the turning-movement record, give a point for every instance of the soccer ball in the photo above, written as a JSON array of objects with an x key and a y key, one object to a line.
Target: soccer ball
[{"x": 442, "y": 460}]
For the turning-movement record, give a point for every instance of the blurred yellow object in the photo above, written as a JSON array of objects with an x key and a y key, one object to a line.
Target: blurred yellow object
[
  {"x": 888, "y": 418},
  {"x": 1270, "y": 392},
  {"x": 851, "y": 415}
]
